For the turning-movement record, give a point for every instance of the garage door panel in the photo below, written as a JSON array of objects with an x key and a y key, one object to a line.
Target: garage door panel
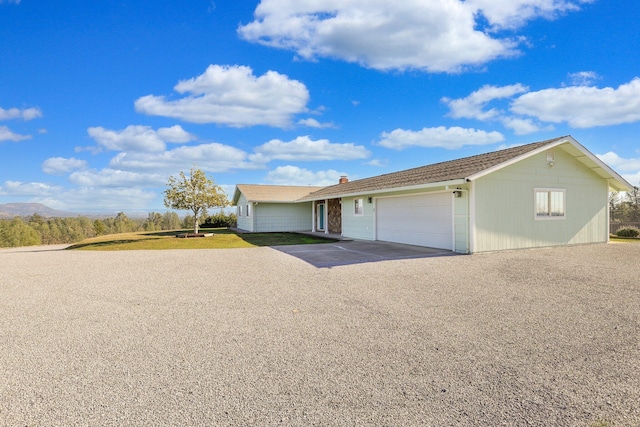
[{"x": 424, "y": 220}]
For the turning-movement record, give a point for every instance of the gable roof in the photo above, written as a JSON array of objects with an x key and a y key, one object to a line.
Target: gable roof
[
  {"x": 272, "y": 193},
  {"x": 466, "y": 169}
]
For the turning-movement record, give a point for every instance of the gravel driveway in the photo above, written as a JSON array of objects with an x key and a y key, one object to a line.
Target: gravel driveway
[{"x": 257, "y": 337}]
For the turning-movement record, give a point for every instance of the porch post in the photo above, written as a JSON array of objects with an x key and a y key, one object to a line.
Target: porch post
[
  {"x": 326, "y": 216},
  {"x": 313, "y": 216}
]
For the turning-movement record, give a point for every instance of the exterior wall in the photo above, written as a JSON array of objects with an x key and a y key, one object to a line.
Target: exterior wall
[
  {"x": 245, "y": 222},
  {"x": 364, "y": 227},
  {"x": 272, "y": 217},
  {"x": 358, "y": 227},
  {"x": 504, "y": 205},
  {"x": 461, "y": 222},
  {"x": 423, "y": 219}
]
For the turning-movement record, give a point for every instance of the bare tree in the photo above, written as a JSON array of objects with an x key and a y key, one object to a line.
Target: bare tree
[{"x": 633, "y": 197}]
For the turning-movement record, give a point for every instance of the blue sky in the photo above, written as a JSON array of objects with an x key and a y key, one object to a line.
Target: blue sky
[{"x": 100, "y": 102}]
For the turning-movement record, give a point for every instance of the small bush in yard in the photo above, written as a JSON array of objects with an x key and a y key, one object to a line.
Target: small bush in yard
[
  {"x": 219, "y": 220},
  {"x": 628, "y": 232}
]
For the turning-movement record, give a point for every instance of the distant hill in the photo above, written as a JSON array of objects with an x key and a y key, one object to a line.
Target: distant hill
[{"x": 9, "y": 210}]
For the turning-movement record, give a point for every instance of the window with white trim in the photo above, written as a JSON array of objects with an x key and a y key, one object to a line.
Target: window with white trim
[
  {"x": 358, "y": 207},
  {"x": 248, "y": 211},
  {"x": 239, "y": 210},
  {"x": 550, "y": 203}
]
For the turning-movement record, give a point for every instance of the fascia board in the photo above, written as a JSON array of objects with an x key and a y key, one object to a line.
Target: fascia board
[
  {"x": 388, "y": 190},
  {"x": 236, "y": 196},
  {"x": 623, "y": 184}
]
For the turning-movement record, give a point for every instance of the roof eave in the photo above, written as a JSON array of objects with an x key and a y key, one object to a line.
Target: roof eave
[
  {"x": 236, "y": 196},
  {"x": 614, "y": 180},
  {"x": 386, "y": 190}
]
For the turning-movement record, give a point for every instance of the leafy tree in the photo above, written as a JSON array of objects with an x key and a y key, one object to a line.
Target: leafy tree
[
  {"x": 195, "y": 192},
  {"x": 99, "y": 227},
  {"x": 153, "y": 222},
  {"x": 171, "y": 221},
  {"x": 18, "y": 233},
  {"x": 187, "y": 222},
  {"x": 122, "y": 223}
]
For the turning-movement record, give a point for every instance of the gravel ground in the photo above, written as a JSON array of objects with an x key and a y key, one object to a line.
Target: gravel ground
[{"x": 256, "y": 337}]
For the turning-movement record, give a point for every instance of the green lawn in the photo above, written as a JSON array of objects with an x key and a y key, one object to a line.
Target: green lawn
[{"x": 221, "y": 239}]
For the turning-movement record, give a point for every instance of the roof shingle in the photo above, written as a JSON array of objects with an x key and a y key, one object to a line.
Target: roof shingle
[
  {"x": 274, "y": 193},
  {"x": 438, "y": 172}
]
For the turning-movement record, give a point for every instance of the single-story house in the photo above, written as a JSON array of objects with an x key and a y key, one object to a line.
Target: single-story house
[
  {"x": 547, "y": 193},
  {"x": 270, "y": 208}
]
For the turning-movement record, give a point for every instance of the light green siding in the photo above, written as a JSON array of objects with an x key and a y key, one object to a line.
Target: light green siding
[
  {"x": 271, "y": 217},
  {"x": 364, "y": 227},
  {"x": 358, "y": 226},
  {"x": 244, "y": 222},
  {"x": 504, "y": 205},
  {"x": 461, "y": 222}
]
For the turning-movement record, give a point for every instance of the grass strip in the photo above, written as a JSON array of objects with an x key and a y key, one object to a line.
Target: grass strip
[{"x": 221, "y": 239}]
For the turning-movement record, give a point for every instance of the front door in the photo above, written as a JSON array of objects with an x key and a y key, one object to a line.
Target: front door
[{"x": 320, "y": 216}]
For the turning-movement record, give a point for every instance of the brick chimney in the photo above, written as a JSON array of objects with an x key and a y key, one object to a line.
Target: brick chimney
[{"x": 343, "y": 179}]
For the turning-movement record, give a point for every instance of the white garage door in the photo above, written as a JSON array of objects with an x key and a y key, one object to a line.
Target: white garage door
[{"x": 423, "y": 220}]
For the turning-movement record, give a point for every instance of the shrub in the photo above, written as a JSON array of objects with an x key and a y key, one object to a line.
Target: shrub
[
  {"x": 628, "y": 232},
  {"x": 220, "y": 220}
]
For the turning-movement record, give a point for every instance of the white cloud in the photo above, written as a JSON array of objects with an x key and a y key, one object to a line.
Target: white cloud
[
  {"x": 471, "y": 107},
  {"x": 16, "y": 113},
  {"x": 60, "y": 165},
  {"x": 304, "y": 148},
  {"x": 474, "y": 106},
  {"x": 522, "y": 126},
  {"x": 633, "y": 179},
  {"x": 628, "y": 168},
  {"x": 377, "y": 34},
  {"x": 112, "y": 178},
  {"x": 232, "y": 96},
  {"x": 583, "y": 78},
  {"x": 515, "y": 13},
  {"x": 18, "y": 188},
  {"x": 583, "y": 106},
  {"x": 442, "y": 137},
  {"x": 175, "y": 134},
  {"x": 377, "y": 163},
  {"x": 435, "y": 36},
  {"x": 293, "y": 175},
  {"x": 7, "y": 135},
  {"x": 619, "y": 163},
  {"x": 138, "y": 138},
  {"x": 580, "y": 106},
  {"x": 313, "y": 123},
  {"x": 211, "y": 157},
  {"x": 100, "y": 200}
]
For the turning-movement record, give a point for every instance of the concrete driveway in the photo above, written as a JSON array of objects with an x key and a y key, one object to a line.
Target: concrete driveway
[{"x": 346, "y": 252}]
